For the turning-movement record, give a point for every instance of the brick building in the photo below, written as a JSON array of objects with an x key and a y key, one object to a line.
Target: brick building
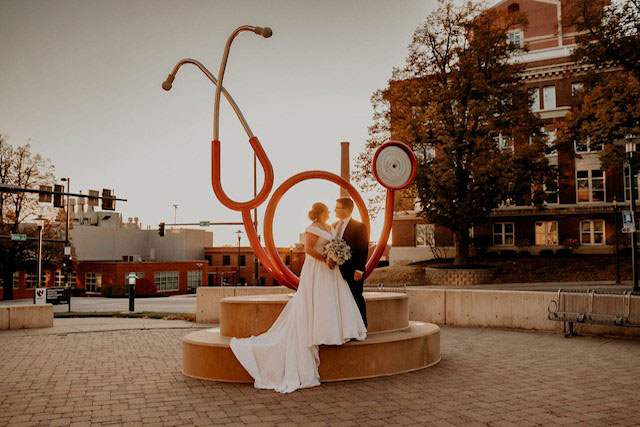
[
  {"x": 580, "y": 214},
  {"x": 226, "y": 268}
]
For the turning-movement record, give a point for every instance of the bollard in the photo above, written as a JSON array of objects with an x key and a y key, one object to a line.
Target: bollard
[{"x": 131, "y": 285}]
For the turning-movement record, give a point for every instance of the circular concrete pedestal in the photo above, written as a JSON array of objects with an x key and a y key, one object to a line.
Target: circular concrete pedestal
[{"x": 394, "y": 344}]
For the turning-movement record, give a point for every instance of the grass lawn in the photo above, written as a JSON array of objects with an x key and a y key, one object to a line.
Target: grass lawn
[{"x": 533, "y": 269}]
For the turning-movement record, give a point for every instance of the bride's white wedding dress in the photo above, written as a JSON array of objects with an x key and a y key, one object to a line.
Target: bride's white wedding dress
[{"x": 322, "y": 311}]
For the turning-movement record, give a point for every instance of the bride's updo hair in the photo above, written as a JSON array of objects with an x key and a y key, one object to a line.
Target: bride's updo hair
[{"x": 316, "y": 210}]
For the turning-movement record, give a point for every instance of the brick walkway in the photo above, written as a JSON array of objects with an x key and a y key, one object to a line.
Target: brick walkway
[{"x": 486, "y": 377}]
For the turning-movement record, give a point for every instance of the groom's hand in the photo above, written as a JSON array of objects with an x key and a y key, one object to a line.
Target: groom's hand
[
  {"x": 357, "y": 276},
  {"x": 331, "y": 263}
]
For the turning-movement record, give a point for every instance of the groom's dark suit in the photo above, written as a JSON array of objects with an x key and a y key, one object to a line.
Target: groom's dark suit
[{"x": 357, "y": 238}]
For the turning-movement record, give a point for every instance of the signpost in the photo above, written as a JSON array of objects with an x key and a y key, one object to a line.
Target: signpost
[
  {"x": 53, "y": 296},
  {"x": 18, "y": 237},
  {"x": 204, "y": 223}
]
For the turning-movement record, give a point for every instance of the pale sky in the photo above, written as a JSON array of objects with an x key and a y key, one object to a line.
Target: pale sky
[{"x": 81, "y": 79}]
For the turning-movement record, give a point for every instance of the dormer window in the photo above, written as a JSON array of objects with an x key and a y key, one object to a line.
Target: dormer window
[{"x": 515, "y": 37}]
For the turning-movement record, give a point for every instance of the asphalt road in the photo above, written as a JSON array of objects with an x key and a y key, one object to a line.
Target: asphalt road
[{"x": 174, "y": 304}]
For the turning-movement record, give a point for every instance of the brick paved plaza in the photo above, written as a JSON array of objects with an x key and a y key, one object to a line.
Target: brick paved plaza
[{"x": 486, "y": 377}]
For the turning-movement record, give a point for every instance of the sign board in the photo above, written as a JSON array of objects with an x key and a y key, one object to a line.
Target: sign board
[
  {"x": 40, "y": 296},
  {"x": 19, "y": 237},
  {"x": 205, "y": 223},
  {"x": 52, "y": 296},
  {"x": 628, "y": 223},
  {"x": 67, "y": 250}
]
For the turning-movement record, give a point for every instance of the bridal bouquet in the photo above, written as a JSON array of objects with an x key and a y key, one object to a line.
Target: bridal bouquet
[{"x": 337, "y": 250}]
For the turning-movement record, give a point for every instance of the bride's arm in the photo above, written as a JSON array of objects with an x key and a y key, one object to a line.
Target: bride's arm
[{"x": 309, "y": 244}]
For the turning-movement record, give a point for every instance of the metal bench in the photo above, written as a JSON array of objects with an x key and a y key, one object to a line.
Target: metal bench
[{"x": 618, "y": 308}]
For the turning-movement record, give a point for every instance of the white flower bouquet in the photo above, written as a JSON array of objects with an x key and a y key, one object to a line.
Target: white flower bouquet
[{"x": 337, "y": 250}]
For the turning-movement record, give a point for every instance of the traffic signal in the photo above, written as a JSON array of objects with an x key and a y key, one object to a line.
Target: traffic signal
[
  {"x": 161, "y": 229},
  {"x": 58, "y": 201},
  {"x": 108, "y": 200},
  {"x": 67, "y": 263}
]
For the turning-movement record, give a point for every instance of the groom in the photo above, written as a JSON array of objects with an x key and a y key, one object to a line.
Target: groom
[{"x": 356, "y": 236}]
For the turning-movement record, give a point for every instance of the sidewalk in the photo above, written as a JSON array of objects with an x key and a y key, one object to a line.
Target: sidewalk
[{"x": 102, "y": 324}]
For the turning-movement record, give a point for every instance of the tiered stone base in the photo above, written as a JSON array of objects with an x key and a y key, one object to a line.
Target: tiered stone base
[{"x": 394, "y": 344}]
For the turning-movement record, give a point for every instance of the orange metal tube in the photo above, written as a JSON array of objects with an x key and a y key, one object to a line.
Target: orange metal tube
[
  {"x": 290, "y": 279},
  {"x": 257, "y": 247},
  {"x": 267, "y": 185},
  {"x": 384, "y": 235}
]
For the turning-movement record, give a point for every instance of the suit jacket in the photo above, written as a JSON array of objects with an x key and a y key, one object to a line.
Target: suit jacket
[{"x": 357, "y": 238}]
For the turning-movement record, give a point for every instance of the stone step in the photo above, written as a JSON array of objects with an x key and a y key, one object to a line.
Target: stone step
[
  {"x": 244, "y": 316},
  {"x": 207, "y": 355}
]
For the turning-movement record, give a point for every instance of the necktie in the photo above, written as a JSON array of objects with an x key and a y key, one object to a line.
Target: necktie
[{"x": 340, "y": 227}]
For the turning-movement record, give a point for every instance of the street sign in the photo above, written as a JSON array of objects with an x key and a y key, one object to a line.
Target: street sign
[
  {"x": 205, "y": 223},
  {"x": 67, "y": 250},
  {"x": 19, "y": 237},
  {"x": 52, "y": 296},
  {"x": 628, "y": 224}
]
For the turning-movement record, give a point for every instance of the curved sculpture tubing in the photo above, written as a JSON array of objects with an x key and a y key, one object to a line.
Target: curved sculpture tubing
[{"x": 290, "y": 278}]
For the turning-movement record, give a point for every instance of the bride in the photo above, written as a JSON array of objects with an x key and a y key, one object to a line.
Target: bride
[{"x": 322, "y": 311}]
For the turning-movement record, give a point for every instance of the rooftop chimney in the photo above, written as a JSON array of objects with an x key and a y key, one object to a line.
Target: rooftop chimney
[{"x": 344, "y": 166}]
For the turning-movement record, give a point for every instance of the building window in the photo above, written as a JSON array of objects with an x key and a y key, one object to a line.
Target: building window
[
  {"x": 16, "y": 279},
  {"x": 503, "y": 234},
  {"x": 575, "y": 87},
  {"x": 262, "y": 281},
  {"x": 587, "y": 146},
  {"x": 546, "y": 233},
  {"x": 424, "y": 235},
  {"x": 535, "y": 99},
  {"x": 93, "y": 282},
  {"x": 226, "y": 259},
  {"x": 592, "y": 232},
  {"x": 504, "y": 142},
  {"x": 627, "y": 185},
  {"x": 549, "y": 97},
  {"x": 167, "y": 280},
  {"x": 515, "y": 37},
  {"x": 551, "y": 192},
  {"x": 550, "y": 139},
  {"x": 513, "y": 7},
  {"x": 243, "y": 260},
  {"x": 208, "y": 259},
  {"x": 194, "y": 279},
  {"x": 32, "y": 280},
  {"x": 590, "y": 186},
  {"x": 287, "y": 260},
  {"x": 242, "y": 280}
]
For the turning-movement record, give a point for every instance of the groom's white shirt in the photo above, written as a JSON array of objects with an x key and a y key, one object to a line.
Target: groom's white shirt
[{"x": 343, "y": 223}]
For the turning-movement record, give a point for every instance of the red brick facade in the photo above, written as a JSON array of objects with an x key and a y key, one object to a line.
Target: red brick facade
[
  {"x": 223, "y": 265},
  {"x": 549, "y": 72}
]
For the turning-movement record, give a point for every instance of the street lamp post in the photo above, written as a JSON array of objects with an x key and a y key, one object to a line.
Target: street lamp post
[
  {"x": 239, "y": 233},
  {"x": 615, "y": 214},
  {"x": 630, "y": 143},
  {"x": 175, "y": 214},
  {"x": 40, "y": 227},
  {"x": 66, "y": 228}
]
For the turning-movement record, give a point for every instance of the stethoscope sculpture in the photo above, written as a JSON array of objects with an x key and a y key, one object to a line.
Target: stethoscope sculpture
[{"x": 394, "y": 167}]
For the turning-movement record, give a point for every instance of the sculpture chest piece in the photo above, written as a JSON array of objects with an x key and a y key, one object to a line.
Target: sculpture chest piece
[{"x": 393, "y": 165}]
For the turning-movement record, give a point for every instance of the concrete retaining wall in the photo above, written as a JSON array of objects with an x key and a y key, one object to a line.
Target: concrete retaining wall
[
  {"x": 496, "y": 309},
  {"x": 26, "y": 316},
  {"x": 471, "y": 308},
  {"x": 208, "y": 298}
]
